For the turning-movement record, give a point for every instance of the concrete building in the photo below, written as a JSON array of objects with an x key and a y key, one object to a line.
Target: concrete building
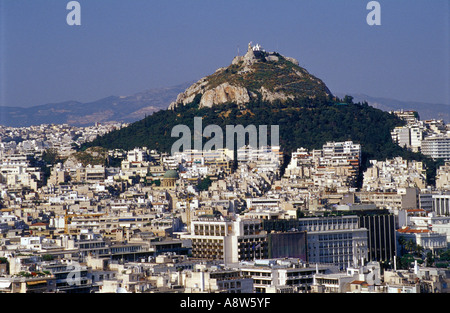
[
  {"x": 393, "y": 174},
  {"x": 425, "y": 238},
  {"x": 216, "y": 280},
  {"x": 282, "y": 275},
  {"x": 335, "y": 240},
  {"x": 443, "y": 177},
  {"x": 356, "y": 279},
  {"x": 436, "y": 147},
  {"x": 409, "y": 136},
  {"x": 381, "y": 236},
  {"x": 441, "y": 204},
  {"x": 71, "y": 277},
  {"x": 404, "y": 198},
  {"x": 228, "y": 240},
  {"x": 28, "y": 284}
]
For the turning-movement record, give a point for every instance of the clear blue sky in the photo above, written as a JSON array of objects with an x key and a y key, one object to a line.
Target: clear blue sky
[{"x": 123, "y": 47}]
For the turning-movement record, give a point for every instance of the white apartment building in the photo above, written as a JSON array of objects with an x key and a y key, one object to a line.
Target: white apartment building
[
  {"x": 216, "y": 280},
  {"x": 137, "y": 155},
  {"x": 436, "y": 147},
  {"x": 200, "y": 156},
  {"x": 334, "y": 167},
  {"x": 228, "y": 240},
  {"x": 335, "y": 240},
  {"x": 263, "y": 203},
  {"x": 266, "y": 157},
  {"x": 347, "y": 150},
  {"x": 410, "y": 136},
  {"x": 356, "y": 279},
  {"x": 408, "y": 115},
  {"x": 282, "y": 275},
  {"x": 392, "y": 174},
  {"x": 16, "y": 172}
]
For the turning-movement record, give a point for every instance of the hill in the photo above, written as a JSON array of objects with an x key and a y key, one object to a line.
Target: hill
[
  {"x": 307, "y": 116},
  {"x": 256, "y": 76}
]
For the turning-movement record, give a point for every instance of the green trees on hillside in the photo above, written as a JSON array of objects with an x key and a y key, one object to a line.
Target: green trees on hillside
[{"x": 307, "y": 123}]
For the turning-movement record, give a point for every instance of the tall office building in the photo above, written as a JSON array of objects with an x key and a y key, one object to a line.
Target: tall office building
[{"x": 381, "y": 236}]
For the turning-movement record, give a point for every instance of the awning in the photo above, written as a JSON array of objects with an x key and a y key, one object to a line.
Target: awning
[
  {"x": 5, "y": 284},
  {"x": 36, "y": 282}
]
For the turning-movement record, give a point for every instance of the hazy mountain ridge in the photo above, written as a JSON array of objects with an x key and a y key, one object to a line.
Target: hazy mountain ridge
[
  {"x": 426, "y": 110},
  {"x": 126, "y": 109},
  {"x": 133, "y": 108}
]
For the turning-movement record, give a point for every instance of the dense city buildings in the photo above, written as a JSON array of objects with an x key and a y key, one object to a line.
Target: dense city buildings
[{"x": 142, "y": 221}]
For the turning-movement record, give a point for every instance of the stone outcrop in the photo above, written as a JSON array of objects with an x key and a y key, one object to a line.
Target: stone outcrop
[
  {"x": 224, "y": 93},
  {"x": 189, "y": 94},
  {"x": 271, "y": 96}
]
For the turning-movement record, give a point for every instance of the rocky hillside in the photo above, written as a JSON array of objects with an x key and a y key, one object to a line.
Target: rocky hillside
[
  {"x": 258, "y": 75},
  {"x": 263, "y": 88}
]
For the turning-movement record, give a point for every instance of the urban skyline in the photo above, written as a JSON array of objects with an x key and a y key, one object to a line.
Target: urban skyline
[{"x": 343, "y": 198}]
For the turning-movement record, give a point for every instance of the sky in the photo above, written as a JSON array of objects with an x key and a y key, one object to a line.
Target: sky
[{"x": 127, "y": 46}]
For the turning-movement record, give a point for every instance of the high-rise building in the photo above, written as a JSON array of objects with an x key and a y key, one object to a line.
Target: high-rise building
[{"x": 381, "y": 236}]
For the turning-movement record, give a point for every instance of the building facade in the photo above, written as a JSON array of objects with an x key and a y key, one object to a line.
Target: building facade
[{"x": 228, "y": 240}]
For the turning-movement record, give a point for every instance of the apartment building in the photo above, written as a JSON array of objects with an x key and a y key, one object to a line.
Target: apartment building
[
  {"x": 70, "y": 277},
  {"x": 403, "y": 198},
  {"x": 346, "y": 149},
  {"x": 28, "y": 284},
  {"x": 204, "y": 279},
  {"x": 409, "y": 116},
  {"x": 436, "y": 147},
  {"x": 338, "y": 240},
  {"x": 356, "y": 279},
  {"x": 410, "y": 136},
  {"x": 227, "y": 240},
  {"x": 392, "y": 174},
  {"x": 443, "y": 177},
  {"x": 95, "y": 173},
  {"x": 282, "y": 275},
  {"x": 16, "y": 172}
]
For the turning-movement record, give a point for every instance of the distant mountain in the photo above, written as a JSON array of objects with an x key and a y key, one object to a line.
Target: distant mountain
[
  {"x": 426, "y": 110},
  {"x": 126, "y": 109}
]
